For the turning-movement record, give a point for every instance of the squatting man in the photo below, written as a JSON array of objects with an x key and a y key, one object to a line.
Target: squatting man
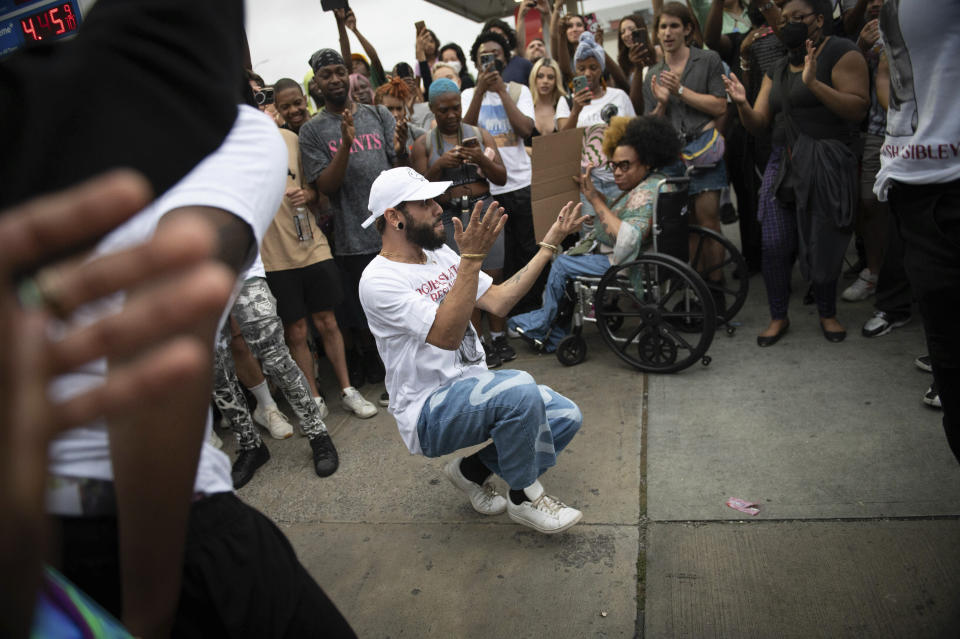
[{"x": 418, "y": 295}]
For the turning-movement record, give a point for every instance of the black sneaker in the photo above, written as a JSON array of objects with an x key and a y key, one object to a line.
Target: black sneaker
[
  {"x": 247, "y": 463},
  {"x": 325, "y": 458},
  {"x": 373, "y": 369},
  {"x": 504, "y": 350},
  {"x": 493, "y": 357},
  {"x": 932, "y": 397},
  {"x": 923, "y": 363},
  {"x": 384, "y": 399}
]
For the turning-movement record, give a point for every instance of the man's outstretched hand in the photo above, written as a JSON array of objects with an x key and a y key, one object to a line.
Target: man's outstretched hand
[
  {"x": 568, "y": 221},
  {"x": 481, "y": 231}
]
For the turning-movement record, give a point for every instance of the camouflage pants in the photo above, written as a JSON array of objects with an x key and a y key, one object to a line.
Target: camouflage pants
[{"x": 256, "y": 312}]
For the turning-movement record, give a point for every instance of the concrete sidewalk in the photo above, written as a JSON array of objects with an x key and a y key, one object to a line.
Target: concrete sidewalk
[{"x": 859, "y": 495}]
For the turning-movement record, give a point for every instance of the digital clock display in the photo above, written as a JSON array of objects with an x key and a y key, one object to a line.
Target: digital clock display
[{"x": 50, "y": 23}]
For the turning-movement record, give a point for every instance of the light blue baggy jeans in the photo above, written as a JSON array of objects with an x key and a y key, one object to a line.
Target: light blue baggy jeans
[{"x": 529, "y": 423}]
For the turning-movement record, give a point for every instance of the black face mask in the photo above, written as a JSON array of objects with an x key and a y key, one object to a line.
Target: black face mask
[{"x": 794, "y": 35}]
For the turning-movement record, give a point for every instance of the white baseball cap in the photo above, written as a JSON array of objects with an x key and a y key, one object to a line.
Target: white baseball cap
[{"x": 401, "y": 184}]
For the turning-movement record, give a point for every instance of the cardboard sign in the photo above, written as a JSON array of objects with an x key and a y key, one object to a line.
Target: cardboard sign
[{"x": 556, "y": 159}]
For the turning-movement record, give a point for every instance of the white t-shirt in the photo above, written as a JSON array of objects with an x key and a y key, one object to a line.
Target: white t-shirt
[
  {"x": 245, "y": 176},
  {"x": 922, "y": 144},
  {"x": 401, "y": 301},
  {"x": 493, "y": 118},
  {"x": 591, "y": 112}
]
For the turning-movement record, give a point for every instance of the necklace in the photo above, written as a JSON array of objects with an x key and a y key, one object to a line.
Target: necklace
[{"x": 421, "y": 259}]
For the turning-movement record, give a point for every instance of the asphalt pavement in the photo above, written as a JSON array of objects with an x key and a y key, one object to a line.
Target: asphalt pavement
[{"x": 858, "y": 496}]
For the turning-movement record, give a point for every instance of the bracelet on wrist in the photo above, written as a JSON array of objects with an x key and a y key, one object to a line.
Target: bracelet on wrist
[
  {"x": 472, "y": 256},
  {"x": 552, "y": 247}
]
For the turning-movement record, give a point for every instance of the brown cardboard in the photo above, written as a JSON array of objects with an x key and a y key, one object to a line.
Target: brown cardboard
[{"x": 556, "y": 159}]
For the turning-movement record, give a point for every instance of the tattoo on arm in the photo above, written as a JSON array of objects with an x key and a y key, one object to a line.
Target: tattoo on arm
[{"x": 516, "y": 276}]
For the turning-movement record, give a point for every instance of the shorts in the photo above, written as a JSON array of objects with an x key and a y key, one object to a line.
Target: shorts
[
  {"x": 303, "y": 291},
  {"x": 701, "y": 179}
]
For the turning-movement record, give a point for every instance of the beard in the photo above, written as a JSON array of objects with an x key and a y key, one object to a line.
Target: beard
[
  {"x": 422, "y": 235},
  {"x": 336, "y": 100}
]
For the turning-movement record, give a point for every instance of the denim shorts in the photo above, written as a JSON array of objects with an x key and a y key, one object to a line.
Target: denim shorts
[{"x": 712, "y": 179}]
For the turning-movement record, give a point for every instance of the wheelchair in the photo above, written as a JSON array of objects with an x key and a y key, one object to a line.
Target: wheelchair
[{"x": 658, "y": 313}]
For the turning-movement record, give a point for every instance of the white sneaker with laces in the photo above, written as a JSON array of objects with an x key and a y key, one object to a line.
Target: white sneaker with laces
[
  {"x": 542, "y": 512},
  {"x": 274, "y": 421},
  {"x": 352, "y": 400},
  {"x": 863, "y": 287},
  {"x": 322, "y": 405},
  {"x": 484, "y": 498}
]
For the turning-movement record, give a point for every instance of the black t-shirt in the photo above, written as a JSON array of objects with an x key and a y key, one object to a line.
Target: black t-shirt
[
  {"x": 152, "y": 84},
  {"x": 810, "y": 115}
]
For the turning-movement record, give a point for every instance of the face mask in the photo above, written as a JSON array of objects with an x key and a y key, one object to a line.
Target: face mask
[{"x": 794, "y": 35}]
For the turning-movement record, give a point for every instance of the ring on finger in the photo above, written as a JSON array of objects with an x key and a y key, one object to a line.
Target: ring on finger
[{"x": 43, "y": 290}]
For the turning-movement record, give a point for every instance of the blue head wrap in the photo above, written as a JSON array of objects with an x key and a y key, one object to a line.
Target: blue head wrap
[
  {"x": 587, "y": 48},
  {"x": 441, "y": 87}
]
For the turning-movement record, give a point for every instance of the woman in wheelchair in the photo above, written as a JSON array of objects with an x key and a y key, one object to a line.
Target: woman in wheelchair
[{"x": 640, "y": 149}]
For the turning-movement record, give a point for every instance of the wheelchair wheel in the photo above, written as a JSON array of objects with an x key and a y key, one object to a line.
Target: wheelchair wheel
[
  {"x": 572, "y": 350},
  {"x": 647, "y": 338},
  {"x": 729, "y": 293}
]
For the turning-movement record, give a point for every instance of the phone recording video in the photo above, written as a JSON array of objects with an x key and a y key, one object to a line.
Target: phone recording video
[
  {"x": 264, "y": 96},
  {"x": 640, "y": 36},
  {"x": 488, "y": 61},
  {"x": 470, "y": 142}
]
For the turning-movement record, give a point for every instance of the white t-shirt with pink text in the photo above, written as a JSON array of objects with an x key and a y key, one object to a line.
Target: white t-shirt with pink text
[{"x": 401, "y": 302}]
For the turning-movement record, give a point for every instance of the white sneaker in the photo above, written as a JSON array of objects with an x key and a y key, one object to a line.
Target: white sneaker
[
  {"x": 543, "y": 513},
  {"x": 274, "y": 421},
  {"x": 215, "y": 440},
  {"x": 484, "y": 499},
  {"x": 352, "y": 400},
  {"x": 863, "y": 287},
  {"x": 322, "y": 405}
]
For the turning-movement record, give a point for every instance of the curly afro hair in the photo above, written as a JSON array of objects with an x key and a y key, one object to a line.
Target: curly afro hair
[
  {"x": 489, "y": 36},
  {"x": 508, "y": 31},
  {"x": 653, "y": 138}
]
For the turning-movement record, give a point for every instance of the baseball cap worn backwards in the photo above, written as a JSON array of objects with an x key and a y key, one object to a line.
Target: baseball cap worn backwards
[{"x": 398, "y": 185}]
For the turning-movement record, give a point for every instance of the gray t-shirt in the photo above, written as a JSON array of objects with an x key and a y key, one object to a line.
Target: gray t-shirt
[
  {"x": 371, "y": 153},
  {"x": 703, "y": 74}
]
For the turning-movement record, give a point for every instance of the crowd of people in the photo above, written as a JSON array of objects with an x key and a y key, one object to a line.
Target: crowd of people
[{"x": 383, "y": 221}]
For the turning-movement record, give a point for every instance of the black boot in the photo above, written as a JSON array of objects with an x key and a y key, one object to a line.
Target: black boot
[
  {"x": 325, "y": 458},
  {"x": 247, "y": 463}
]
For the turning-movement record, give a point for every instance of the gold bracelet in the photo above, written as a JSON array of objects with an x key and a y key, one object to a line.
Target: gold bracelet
[
  {"x": 473, "y": 256},
  {"x": 553, "y": 248}
]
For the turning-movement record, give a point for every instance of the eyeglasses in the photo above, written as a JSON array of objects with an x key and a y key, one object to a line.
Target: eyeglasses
[
  {"x": 794, "y": 18},
  {"x": 622, "y": 166}
]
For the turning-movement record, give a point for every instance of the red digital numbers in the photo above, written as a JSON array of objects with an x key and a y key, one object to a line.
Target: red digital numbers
[
  {"x": 49, "y": 23},
  {"x": 28, "y": 30}
]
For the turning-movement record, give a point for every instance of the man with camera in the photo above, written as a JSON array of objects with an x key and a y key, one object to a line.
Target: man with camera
[
  {"x": 344, "y": 148},
  {"x": 419, "y": 296},
  {"x": 506, "y": 111}
]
